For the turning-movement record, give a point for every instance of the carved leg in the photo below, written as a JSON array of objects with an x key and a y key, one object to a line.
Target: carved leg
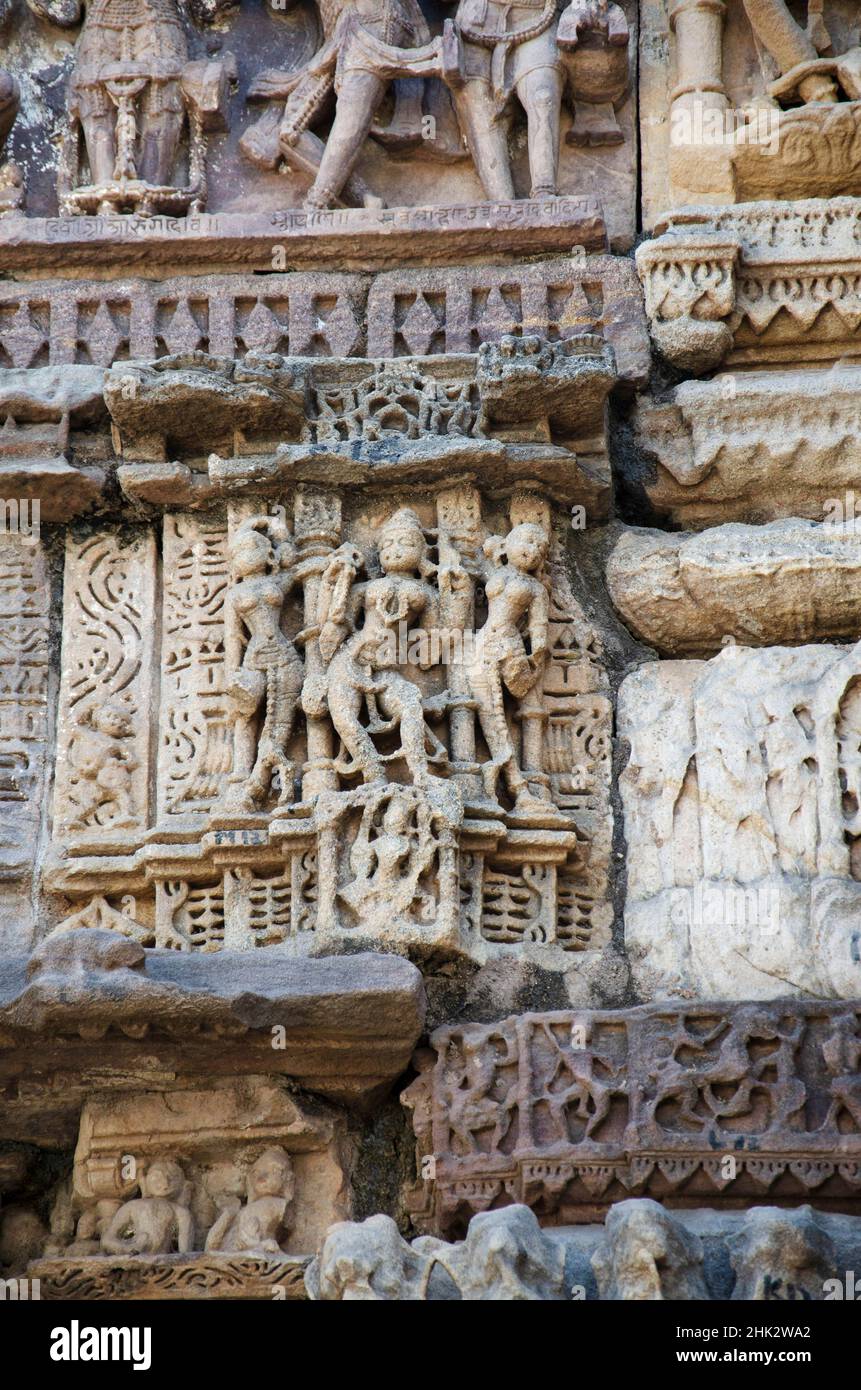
[
  {"x": 486, "y": 687},
  {"x": 358, "y": 99},
  {"x": 345, "y": 703},
  {"x": 399, "y": 702},
  {"x": 540, "y": 93},
  {"x": 487, "y": 137},
  {"x": 789, "y": 45},
  {"x": 160, "y": 133},
  {"x": 100, "y": 138}
]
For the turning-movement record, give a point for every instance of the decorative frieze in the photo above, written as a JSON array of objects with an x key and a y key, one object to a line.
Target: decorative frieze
[
  {"x": 408, "y": 313},
  {"x": 568, "y": 1112}
]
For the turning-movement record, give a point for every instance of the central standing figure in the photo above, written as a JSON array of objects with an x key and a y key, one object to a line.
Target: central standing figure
[{"x": 364, "y": 665}]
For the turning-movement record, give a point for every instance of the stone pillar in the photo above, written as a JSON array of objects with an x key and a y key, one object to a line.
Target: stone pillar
[
  {"x": 317, "y": 530},
  {"x": 698, "y": 27}
]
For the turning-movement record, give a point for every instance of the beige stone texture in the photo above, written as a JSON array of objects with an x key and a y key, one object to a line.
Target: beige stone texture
[
  {"x": 738, "y": 796},
  {"x": 783, "y": 582}
]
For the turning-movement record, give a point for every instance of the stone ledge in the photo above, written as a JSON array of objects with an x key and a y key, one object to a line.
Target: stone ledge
[
  {"x": 179, "y": 1277},
  {"x": 105, "y": 1012},
  {"x": 347, "y": 238}
]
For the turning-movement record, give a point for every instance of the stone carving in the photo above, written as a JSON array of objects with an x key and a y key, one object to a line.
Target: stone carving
[
  {"x": 753, "y": 448},
  {"x": 194, "y": 740},
  {"x": 408, "y": 312},
  {"x": 188, "y": 1156},
  {"x": 164, "y": 406},
  {"x": 738, "y": 799},
  {"x": 225, "y": 1140},
  {"x": 517, "y": 601},
  {"x": 537, "y": 54},
  {"x": 132, "y": 93},
  {"x": 760, "y": 106},
  {"x": 187, "y": 1277},
  {"x": 24, "y": 686},
  {"x": 505, "y": 1258},
  {"x": 648, "y": 1255},
  {"x": 760, "y": 284},
  {"x": 354, "y": 733},
  {"x": 93, "y": 981},
  {"x": 156, "y": 1222},
  {"x": 263, "y": 1220},
  {"x": 362, "y": 51},
  {"x": 642, "y": 1252},
  {"x": 363, "y": 659},
  {"x": 368, "y": 1263},
  {"x": 688, "y": 595},
  {"x": 782, "y": 1256},
  {"x": 269, "y": 675},
  {"x": 11, "y": 178},
  {"x": 490, "y": 57},
  {"x": 102, "y": 781},
  {"x": 558, "y": 1110}
]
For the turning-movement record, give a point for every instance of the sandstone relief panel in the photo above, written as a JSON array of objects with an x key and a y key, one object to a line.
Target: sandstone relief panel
[
  {"x": 740, "y": 814},
  {"x": 217, "y": 1193},
  {"x": 575, "y": 1111},
  {"x": 380, "y": 722},
  {"x": 167, "y": 112}
]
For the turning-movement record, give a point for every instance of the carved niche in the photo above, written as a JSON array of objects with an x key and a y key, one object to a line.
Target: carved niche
[
  {"x": 222, "y": 1192},
  {"x": 384, "y": 720}
]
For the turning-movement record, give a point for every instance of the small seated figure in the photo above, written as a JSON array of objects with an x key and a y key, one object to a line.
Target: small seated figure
[
  {"x": 156, "y": 1223},
  {"x": 92, "y": 1225},
  {"x": 261, "y": 1224}
]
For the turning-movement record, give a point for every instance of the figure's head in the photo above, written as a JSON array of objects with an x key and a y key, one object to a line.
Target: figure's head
[
  {"x": 402, "y": 545},
  {"x": 526, "y": 546},
  {"x": 164, "y": 1178},
  {"x": 250, "y": 553},
  {"x": 112, "y": 720},
  {"x": 271, "y": 1176}
]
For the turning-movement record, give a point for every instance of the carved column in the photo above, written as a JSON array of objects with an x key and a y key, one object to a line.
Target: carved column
[
  {"x": 698, "y": 27},
  {"x": 317, "y": 530}
]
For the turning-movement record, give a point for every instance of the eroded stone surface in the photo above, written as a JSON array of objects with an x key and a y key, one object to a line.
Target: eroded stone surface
[
  {"x": 643, "y": 1252},
  {"x": 741, "y": 824},
  {"x": 352, "y": 1020},
  {"x": 784, "y": 582},
  {"x": 752, "y": 447}
]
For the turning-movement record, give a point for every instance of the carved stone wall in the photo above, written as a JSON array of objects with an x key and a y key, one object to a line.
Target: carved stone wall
[{"x": 430, "y": 645}]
